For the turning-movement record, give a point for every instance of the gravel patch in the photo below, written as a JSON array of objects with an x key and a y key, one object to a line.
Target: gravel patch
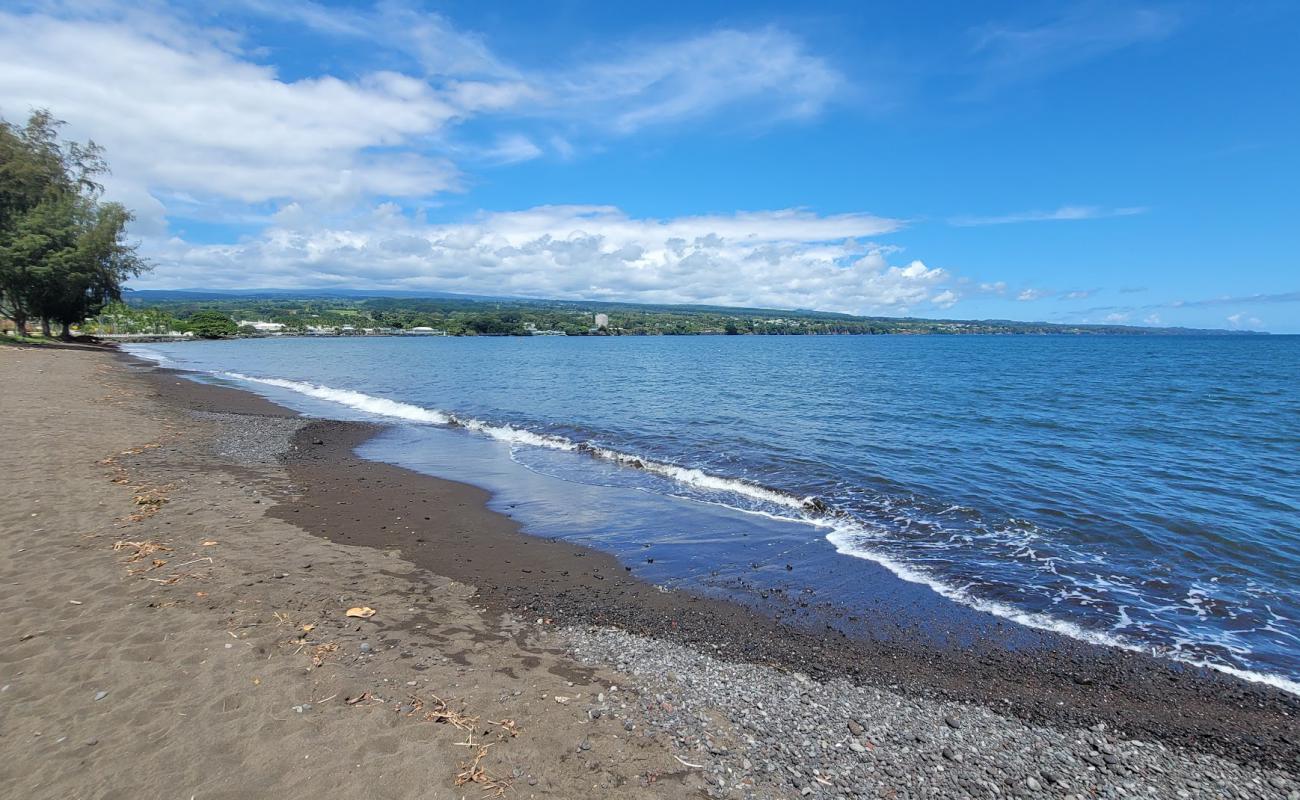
[
  {"x": 757, "y": 732},
  {"x": 252, "y": 440}
]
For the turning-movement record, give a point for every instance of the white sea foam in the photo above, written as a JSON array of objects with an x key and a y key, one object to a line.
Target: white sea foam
[
  {"x": 147, "y": 353},
  {"x": 849, "y": 537},
  {"x": 356, "y": 400},
  {"x": 507, "y": 433}
]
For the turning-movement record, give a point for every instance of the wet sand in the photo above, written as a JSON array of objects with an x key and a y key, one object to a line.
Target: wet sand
[
  {"x": 1038, "y": 676},
  {"x": 1055, "y": 680},
  {"x": 164, "y": 636},
  {"x": 472, "y": 610}
]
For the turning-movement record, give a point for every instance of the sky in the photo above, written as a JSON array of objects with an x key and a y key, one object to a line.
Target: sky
[{"x": 1051, "y": 161}]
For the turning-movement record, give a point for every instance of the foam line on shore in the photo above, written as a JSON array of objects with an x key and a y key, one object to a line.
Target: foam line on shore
[
  {"x": 847, "y": 541},
  {"x": 848, "y": 535},
  {"x": 513, "y": 435}
]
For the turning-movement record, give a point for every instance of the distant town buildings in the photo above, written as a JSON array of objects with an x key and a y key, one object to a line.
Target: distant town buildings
[{"x": 262, "y": 327}]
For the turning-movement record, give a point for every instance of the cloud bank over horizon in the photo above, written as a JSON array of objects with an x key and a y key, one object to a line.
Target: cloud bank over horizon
[{"x": 781, "y": 259}]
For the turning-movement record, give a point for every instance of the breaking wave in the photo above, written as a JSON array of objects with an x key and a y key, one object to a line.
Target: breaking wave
[{"x": 849, "y": 534}]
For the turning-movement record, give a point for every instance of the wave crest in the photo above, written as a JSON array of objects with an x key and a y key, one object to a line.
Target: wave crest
[{"x": 849, "y": 535}]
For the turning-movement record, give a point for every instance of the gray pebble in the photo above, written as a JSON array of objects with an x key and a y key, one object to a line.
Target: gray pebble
[
  {"x": 770, "y": 734},
  {"x": 100, "y": 695}
]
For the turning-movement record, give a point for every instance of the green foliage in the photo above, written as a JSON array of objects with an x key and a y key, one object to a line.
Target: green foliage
[
  {"x": 477, "y": 317},
  {"x": 118, "y": 317},
  {"x": 62, "y": 250},
  {"x": 210, "y": 325}
]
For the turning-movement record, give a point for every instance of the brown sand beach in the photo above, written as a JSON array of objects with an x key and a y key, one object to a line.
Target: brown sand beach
[{"x": 180, "y": 562}]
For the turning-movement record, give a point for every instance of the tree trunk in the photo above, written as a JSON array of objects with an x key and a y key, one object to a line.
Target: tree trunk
[
  {"x": 66, "y": 333},
  {"x": 45, "y": 328},
  {"x": 20, "y": 322}
]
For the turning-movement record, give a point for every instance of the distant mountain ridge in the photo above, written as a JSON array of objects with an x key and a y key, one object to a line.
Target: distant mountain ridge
[{"x": 262, "y": 300}]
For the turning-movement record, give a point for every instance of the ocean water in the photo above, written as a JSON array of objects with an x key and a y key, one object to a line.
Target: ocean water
[{"x": 1137, "y": 491}]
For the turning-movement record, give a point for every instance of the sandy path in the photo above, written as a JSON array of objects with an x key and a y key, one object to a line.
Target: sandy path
[{"x": 202, "y": 649}]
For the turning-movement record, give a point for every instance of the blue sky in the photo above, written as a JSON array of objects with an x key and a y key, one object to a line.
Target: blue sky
[{"x": 1069, "y": 162}]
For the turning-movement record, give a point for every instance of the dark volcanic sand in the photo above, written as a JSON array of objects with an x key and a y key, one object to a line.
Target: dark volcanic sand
[{"x": 446, "y": 527}]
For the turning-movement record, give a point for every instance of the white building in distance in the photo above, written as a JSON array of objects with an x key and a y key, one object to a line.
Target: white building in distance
[
  {"x": 263, "y": 327},
  {"x": 602, "y": 321}
]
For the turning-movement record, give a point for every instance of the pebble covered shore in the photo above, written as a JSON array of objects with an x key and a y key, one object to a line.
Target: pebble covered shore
[
  {"x": 755, "y": 731},
  {"x": 758, "y": 732}
]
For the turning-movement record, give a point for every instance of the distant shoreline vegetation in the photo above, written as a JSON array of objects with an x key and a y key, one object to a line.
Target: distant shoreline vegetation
[{"x": 215, "y": 315}]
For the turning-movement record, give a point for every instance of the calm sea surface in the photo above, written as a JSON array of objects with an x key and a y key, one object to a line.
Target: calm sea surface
[{"x": 1143, "y": 491}]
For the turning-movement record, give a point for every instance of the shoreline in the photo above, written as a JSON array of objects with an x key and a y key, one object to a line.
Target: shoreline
[
  {"x": 179, "y": 629},
  {"x": 1060, "y": 682}
]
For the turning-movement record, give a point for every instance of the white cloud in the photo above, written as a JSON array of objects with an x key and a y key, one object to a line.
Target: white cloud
[
  {"x": 1027, "y": 295},
  {"x": 512, "y": 149},
  {"x": 197, "y": 127},
  {"x": 1152, "y": 319},
  {"x": 635, "y": 84},
  {"x": 1064, "y": 213},
  {"x": 1117, "y": 318},
  {"x": 691, "y": 78},
  {"x": 186, "y": 111},
  {"x": 180, "y": 114},
  {"x": 781, "y": 259},
  {"x": 945, "y": 299},
  {"x": 1011, "y": 53}
]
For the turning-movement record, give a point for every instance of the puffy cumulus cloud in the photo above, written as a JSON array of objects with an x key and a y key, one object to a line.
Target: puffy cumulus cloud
[
  {"x": 945, "y": 299},
  {"x": 183, "y": 115},
  {"x": 194, "y": 121},
  {"x": 783, "y": 259}
]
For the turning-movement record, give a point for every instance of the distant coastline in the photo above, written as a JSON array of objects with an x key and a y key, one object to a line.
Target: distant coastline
[{"x": 164, "y": 316}]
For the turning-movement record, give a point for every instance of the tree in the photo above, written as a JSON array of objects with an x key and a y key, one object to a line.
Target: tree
[
  {"x": 211, "y": 325},
  {"x": 62, "y": 251},
  {"x": 93, "y": 274},
  {"x": 32, "y": 256}
]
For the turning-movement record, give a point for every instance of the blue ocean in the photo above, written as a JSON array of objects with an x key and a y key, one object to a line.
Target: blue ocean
[{"x": 1137, "y": 491}]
